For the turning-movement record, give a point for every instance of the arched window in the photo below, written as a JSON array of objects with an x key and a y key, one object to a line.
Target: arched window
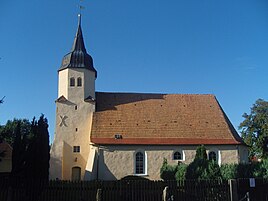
[
  {"x": 79, "y": 82},
  {"x": 212, "y": 156},
  {"x": 76, "y": 173},
  {"x": 177, "y": 156},
  {"x": 139, "y": 163},
  {"x": 72, "y": 82}
]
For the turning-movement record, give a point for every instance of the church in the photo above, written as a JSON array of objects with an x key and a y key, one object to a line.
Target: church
[{"x": 108, "y": 136}]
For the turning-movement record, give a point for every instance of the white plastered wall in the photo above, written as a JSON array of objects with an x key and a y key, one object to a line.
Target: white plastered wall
[{"x": 116, "y": 162}]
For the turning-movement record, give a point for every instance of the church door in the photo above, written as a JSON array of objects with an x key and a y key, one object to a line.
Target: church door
[{"x": 76, "y": 173}]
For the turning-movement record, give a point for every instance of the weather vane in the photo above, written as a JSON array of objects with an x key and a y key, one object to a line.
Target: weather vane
[{"x": 80, "y": 8}]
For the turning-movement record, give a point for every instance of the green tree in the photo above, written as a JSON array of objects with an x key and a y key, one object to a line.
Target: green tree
[
  {"x": 167, "y": 172},
  {"x": 201, "y": 152},
  {"x": 181, "y": 171},
  {"x": 30, "y": 142},
  {"x": 18, "y": 153},
  {"x": 8, "y": 131},
  {"x": 201, "y": 167},
  {"x": 229, "y": 171},
  {"x": 254, "y": 129},
  {"x": 37, "y": 156}
]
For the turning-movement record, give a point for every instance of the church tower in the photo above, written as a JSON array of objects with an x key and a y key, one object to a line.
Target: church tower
[{"x": 74, "y": 109}]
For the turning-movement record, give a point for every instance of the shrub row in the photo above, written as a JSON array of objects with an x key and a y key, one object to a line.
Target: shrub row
[
  {"x": 205, "y": 169},
  {"x": 202, "y": 168}
]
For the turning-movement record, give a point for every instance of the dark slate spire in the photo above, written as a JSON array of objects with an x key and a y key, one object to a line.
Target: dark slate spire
[{"x": 78, "y": 57}]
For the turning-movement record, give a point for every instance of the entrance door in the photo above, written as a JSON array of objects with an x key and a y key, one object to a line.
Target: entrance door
[{"x": 76, "y": 173}]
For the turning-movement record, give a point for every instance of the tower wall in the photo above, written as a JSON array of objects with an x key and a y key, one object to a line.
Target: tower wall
[
  {"x": 76, "y": 93},
  {"x": 73, "y": 123}
]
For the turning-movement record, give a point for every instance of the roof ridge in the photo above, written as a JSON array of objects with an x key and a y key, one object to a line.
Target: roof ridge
[{"x": 151, "y": 93}]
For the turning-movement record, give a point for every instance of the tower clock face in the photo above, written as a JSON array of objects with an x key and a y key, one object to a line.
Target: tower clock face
[{"x": 63, "y": 120}]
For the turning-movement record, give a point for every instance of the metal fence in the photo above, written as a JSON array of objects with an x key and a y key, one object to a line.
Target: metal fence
[
  {"x": 128, "y": 190},
  {"x": 252, "y": 189}
]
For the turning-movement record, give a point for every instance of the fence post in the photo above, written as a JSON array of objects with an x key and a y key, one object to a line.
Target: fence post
[
  {"x": 233, "y": 189},
  {"x": 99, "y": 195},
  {"x": 165, "y": 194}
]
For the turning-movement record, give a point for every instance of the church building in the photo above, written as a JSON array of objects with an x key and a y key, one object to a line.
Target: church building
[{"x": 108, "y": 136}]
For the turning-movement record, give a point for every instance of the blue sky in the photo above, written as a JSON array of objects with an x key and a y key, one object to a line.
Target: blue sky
[{"x": 176, "y": 46}]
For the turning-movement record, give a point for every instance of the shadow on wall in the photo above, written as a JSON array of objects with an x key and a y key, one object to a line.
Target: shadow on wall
[
  {"x": 109, "y": 101},
  {"x": 54, "y": 168},
  {"x": 103, "y": 171}
]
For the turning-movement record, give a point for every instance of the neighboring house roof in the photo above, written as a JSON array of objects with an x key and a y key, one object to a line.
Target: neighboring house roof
[
  {"x": 4, "y": 146},
  {"x": 160, "y": 119}
]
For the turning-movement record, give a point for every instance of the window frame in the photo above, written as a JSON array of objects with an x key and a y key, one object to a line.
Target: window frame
[
  {"x": 218, "y": 155},
  {"x": 144, "y": 163},
  {"x": 79, "y": 82},
  {"x": 76, "y": 149},
  {"x": 182, "y": 155},
  {"x": 72, "y": 82}
]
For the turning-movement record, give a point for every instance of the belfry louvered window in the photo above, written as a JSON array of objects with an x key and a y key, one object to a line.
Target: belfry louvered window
[
  {"x": 79, "y": 82},
  {"x": 72, "y": 82}
]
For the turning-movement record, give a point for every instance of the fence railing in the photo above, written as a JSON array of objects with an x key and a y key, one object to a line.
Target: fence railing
[{"x": 128, "y": 190}]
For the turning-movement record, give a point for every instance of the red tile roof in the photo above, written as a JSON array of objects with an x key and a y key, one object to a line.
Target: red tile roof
[{"x": 160, "y": 119}]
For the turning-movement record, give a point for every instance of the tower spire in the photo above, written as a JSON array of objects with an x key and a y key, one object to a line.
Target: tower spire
[{"x": 78, "y": 57}]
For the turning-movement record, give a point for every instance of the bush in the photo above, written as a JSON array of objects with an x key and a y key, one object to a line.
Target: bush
[
  {"x": 264, "y": 167},
  {"x": 229, "y": 171},
  {"x": 134, "y": 178},
  {"x": 242, "y": 170},
  {"x": 201, "y": 167},
  {"x": 201, "y": 152},
  {"x": 213, "y": 171},
  {"x": 167, "y": 172},
  {"x": 261, "y": 169},
  {"x": 245, "y": 170},
  {"x": 180, "y": 171},
  {"x": 197, "y": 169}
]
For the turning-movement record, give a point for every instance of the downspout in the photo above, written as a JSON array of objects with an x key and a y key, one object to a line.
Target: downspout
[{"x": 98, "y": 155}]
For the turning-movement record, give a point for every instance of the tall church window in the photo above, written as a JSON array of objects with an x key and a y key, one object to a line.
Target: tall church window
[
  {"x": 72, "y": 82},
  {"x": 79, "y": 82},
  {"x": 140, "y": 163}
]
